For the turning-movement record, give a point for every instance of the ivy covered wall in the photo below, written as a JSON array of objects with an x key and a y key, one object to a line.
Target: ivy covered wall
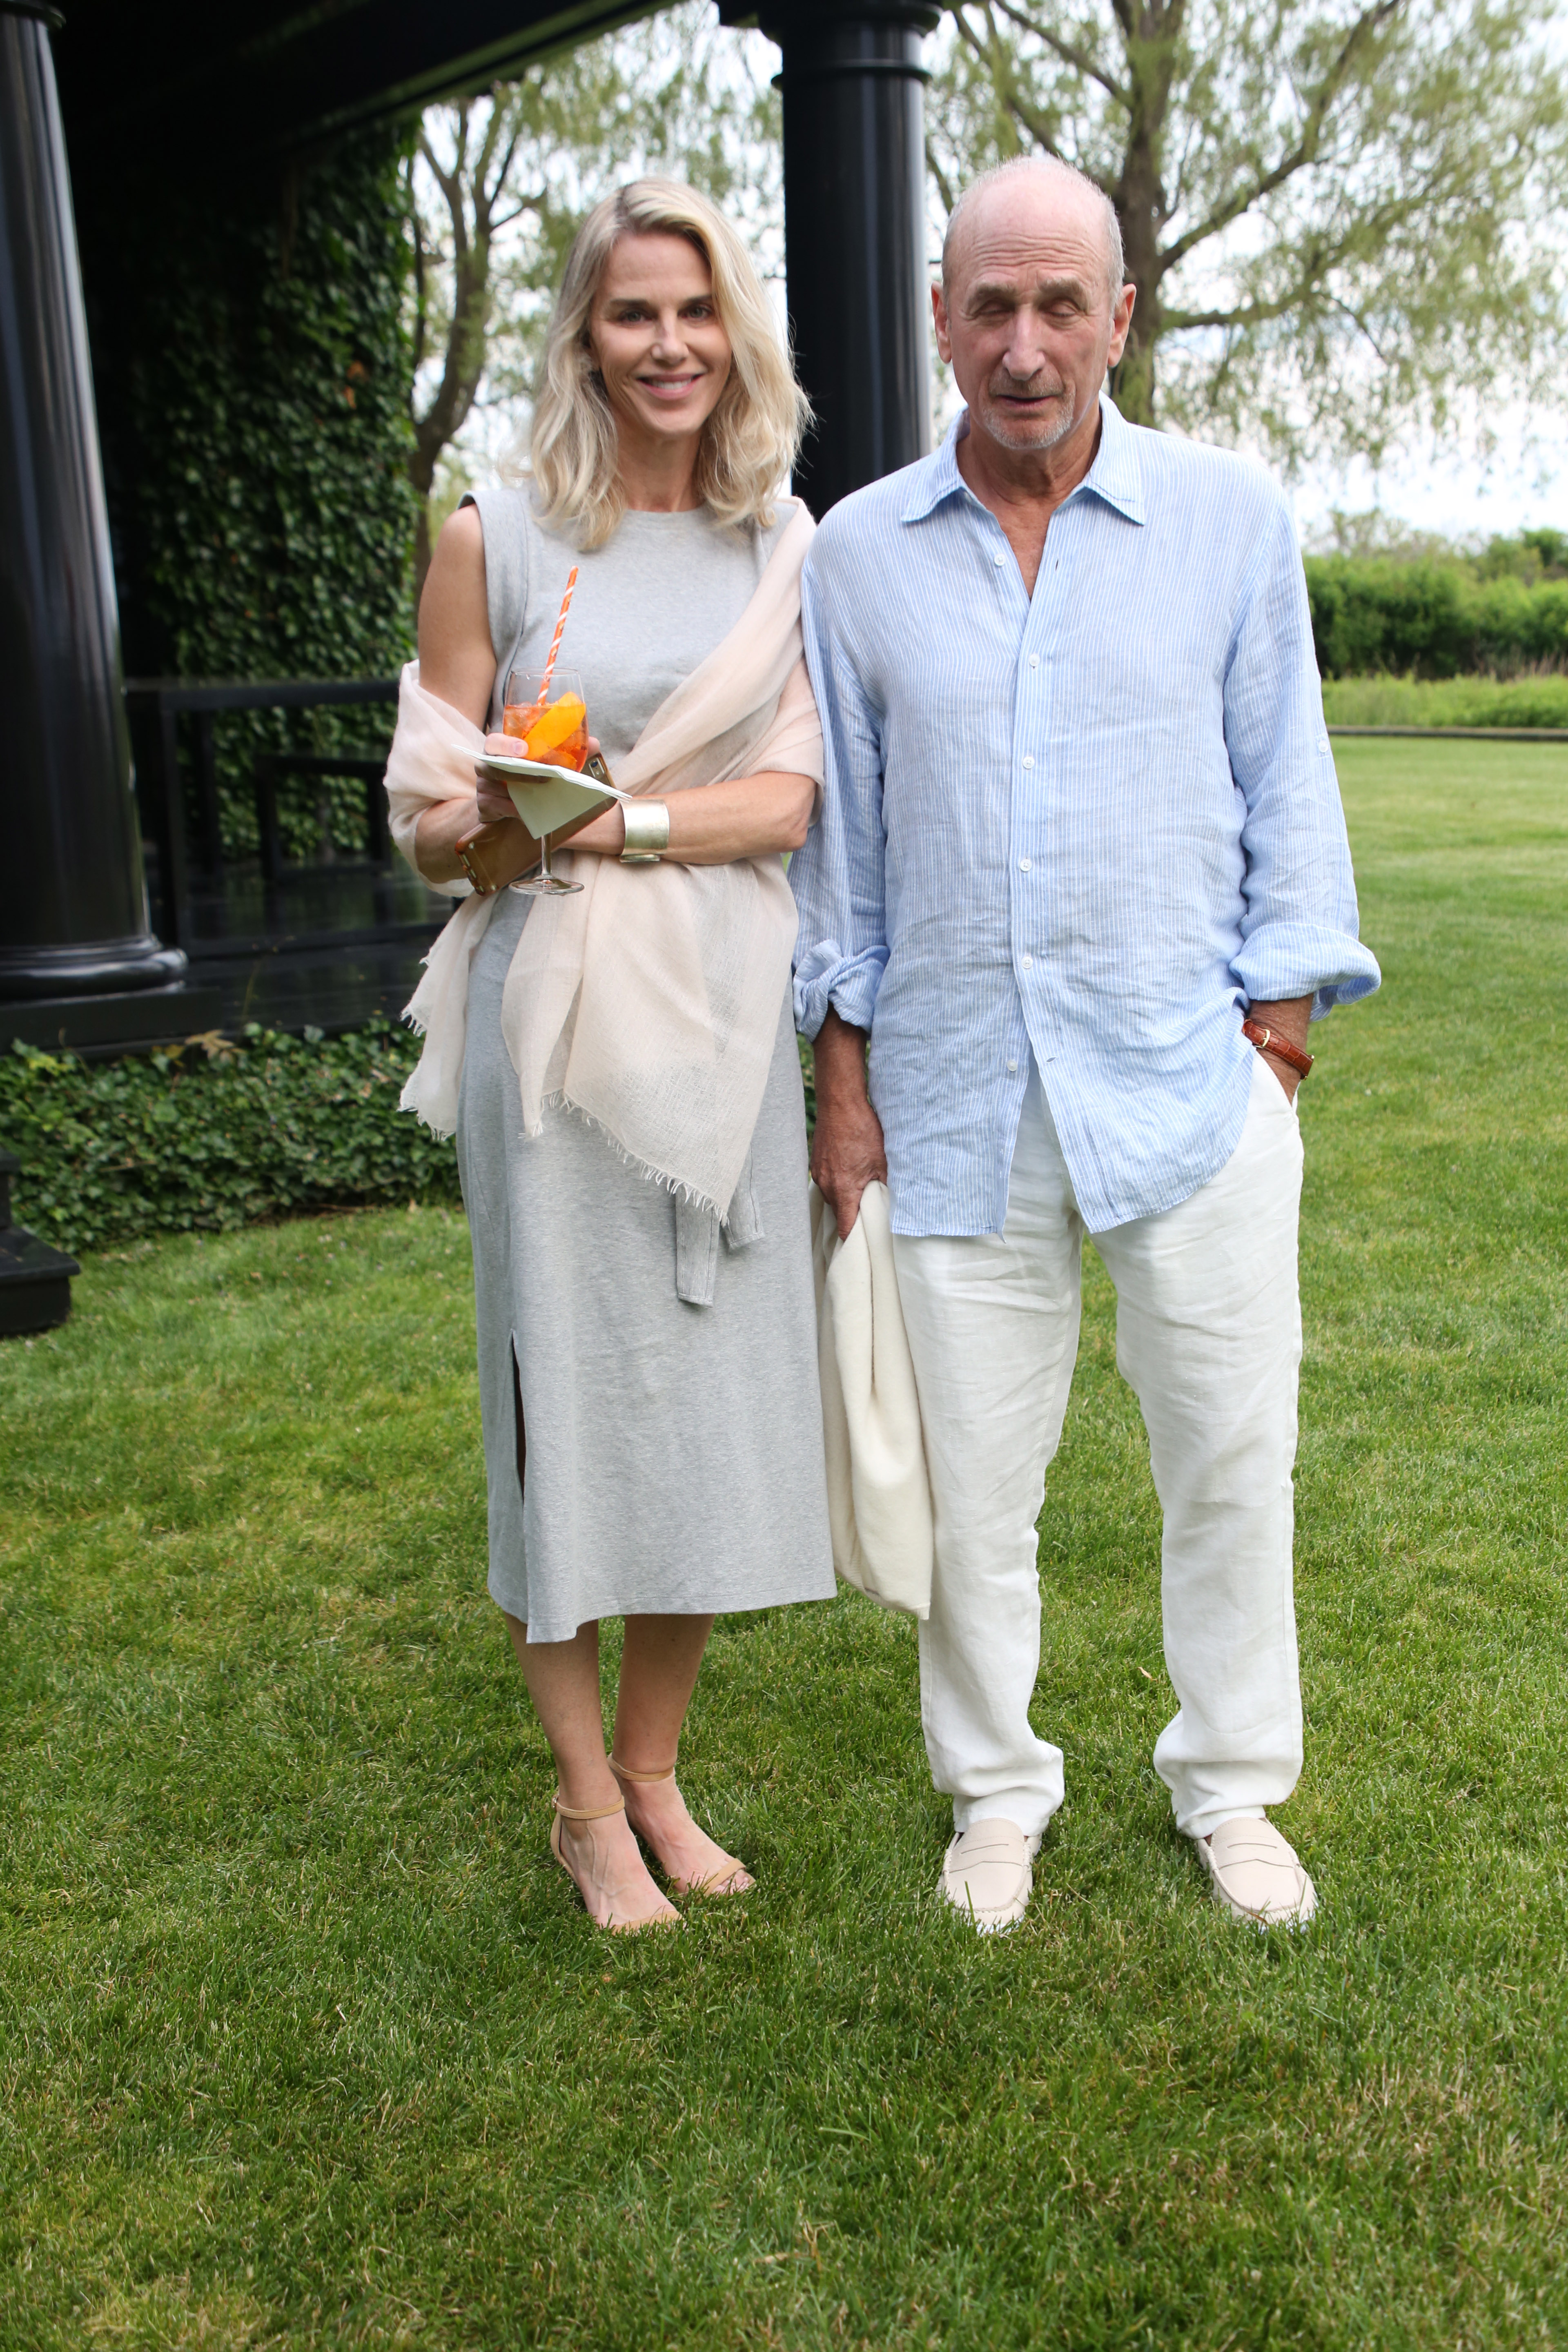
[{"x": 251, "y": 368}]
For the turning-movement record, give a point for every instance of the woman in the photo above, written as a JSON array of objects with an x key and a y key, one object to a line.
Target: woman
[{"x": 648, "y": 1349}]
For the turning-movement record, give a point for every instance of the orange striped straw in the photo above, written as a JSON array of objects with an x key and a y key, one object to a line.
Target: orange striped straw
[{"x": 555, "y": 640}]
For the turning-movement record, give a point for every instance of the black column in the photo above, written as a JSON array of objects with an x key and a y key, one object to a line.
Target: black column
[
  {"x": 854, "y": 226},
  {"x": 73, "y": 904}
]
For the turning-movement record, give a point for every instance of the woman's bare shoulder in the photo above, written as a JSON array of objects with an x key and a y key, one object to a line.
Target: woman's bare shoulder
[{"x": 461, "y": 541}]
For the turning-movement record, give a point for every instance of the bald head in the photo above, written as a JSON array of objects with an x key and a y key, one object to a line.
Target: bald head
[
  {"x": 1029, "y": 197},
  {"x": 1031, "y": 311}
]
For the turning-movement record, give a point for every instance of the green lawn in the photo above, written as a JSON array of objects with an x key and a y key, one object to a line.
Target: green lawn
[{"x": 304, "y": 2039}]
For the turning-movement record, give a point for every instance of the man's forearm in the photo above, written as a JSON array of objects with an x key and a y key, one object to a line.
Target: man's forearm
[
  {"x": 839, "y": 1053},
  {"x": 847, "y": 1150},
  {"x": 1289, "y": 1019}
]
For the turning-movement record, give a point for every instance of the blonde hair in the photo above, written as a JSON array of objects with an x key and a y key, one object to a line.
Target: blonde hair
[{"x": 748, "y": 444}]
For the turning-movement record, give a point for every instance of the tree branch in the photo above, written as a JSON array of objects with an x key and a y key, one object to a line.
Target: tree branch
[
  {"x": 1251, "y": 314},
  {"x": 451, "y": 187},
  {"x": 421, "y": 321},
  {"x": 1307, "y": 143},
  {"x": 506, "y": 164},
  {"x": 943, "y": 185},
  {"x": 1006, "y": 89},
  {"x": 996, "y": 66},
  {"x": 1069, "y": 53}
]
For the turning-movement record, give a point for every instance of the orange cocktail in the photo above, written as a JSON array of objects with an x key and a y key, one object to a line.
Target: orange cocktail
[
  {"x": 553, "y": 730},
  {"x": 553, "y": 733}
]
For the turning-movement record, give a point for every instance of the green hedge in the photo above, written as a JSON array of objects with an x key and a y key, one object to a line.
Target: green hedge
[
  {"x": 1431, "y": 620},
  {"x": 252, "y": 369},
  {"x": 215, "y": 1133}
]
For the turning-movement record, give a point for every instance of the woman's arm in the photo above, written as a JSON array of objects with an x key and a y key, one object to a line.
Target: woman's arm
[
  {"x": 712, "y": 825},
  {"x": 456, "y": 663}
]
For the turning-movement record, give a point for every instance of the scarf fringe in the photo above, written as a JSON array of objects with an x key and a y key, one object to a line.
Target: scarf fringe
[{"x": 412, "y": 1097}]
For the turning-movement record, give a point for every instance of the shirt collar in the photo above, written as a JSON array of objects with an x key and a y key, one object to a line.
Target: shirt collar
[
  {"x": 937, "y": 477},
  {"x": 1113, "y": 476}
]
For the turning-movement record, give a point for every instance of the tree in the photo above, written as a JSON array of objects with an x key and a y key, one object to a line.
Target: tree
[
  {"x": 1337, "y": 213},
  {"x": 496, "y": 186},
  {"x": 471, "y": 169}
]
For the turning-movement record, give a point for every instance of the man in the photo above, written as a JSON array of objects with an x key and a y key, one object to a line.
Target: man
[{"x": 1082, "y": 874}]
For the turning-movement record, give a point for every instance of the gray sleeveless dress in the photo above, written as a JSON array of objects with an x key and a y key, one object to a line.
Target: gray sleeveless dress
[{"x": 671, "y": 1457}]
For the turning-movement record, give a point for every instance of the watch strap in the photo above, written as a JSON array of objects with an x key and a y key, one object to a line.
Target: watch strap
[{"x": 1268, "y": 1042}]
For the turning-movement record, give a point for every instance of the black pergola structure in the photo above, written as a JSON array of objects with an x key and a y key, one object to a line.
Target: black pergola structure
[{"x": 80, "y": 963}]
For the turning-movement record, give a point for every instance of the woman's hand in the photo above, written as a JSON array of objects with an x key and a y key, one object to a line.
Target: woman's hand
[{"x": 495, "y": 800}]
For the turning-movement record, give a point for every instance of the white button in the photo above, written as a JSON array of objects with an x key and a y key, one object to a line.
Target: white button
[
  {"x": 1034, "y": 661},
  {"x": 1023, "y": 864},
  {"x": 1028, "y": 758},
  {"x": 998, "y": 559},
  {"x": 1013, "y": 1066},
  {"x": 1026, "y": 962}
]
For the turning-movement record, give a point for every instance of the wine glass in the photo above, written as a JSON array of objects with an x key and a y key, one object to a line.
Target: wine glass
[{"x": 546, "y": 712}]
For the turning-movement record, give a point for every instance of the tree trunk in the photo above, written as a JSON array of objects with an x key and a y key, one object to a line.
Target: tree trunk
[
  {"x": 1139, "y": 200},
  {"x": 465, "y": 365},
  {"x": 421, "y": 464},
  {"x": 1132, "y": 379},
  {"x": 421, "y": 553}
]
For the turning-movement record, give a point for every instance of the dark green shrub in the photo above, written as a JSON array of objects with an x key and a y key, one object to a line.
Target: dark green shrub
[
  {"x": 215, "y": 1133},
  {"x": 1432, "y": 618}
]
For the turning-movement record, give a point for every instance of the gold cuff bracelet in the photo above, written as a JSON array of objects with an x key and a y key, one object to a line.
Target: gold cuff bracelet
[{"x": 647, "y": 831}]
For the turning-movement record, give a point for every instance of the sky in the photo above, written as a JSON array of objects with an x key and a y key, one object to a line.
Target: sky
[{"x": 1523, "y": 483}]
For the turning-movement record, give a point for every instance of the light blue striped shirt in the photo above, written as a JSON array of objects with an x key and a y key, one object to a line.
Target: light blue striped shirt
[{"x": 1093, "y": 824}]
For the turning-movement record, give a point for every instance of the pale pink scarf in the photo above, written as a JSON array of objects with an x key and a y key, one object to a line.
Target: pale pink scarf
[{"x": 649, "y": 1000}]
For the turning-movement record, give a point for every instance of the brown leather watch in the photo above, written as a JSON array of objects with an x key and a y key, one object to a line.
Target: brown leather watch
[{"x": 1266, "y": 1042}]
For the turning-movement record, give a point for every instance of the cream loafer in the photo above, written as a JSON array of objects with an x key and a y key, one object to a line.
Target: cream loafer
[
  {"x": 1257, "y": 1874},
  {"x": 987, "y": 1873}
]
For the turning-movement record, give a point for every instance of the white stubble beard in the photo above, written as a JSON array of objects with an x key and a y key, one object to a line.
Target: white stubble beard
[{"x": 1043, "y": 436}]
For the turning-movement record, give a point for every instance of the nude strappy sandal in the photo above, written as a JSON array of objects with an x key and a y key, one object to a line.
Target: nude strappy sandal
[
  {"x": 718, "y": 1881},
  {"x": 597, "y": 1814}
]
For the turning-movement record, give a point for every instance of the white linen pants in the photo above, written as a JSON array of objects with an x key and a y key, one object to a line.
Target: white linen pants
[{"x": 1208, "y": 1336}]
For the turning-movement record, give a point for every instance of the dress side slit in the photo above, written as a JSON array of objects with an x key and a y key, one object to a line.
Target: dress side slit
[{"x": 519, "y": 1433}]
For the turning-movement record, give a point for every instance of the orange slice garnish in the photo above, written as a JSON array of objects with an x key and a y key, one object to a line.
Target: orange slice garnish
[{"x": 562, "y": 719}]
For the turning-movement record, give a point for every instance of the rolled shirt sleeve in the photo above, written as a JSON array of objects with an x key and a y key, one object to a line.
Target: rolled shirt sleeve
[
  {"x": 1299, "y": 921},
  {"x": 837, "y": 876}
]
